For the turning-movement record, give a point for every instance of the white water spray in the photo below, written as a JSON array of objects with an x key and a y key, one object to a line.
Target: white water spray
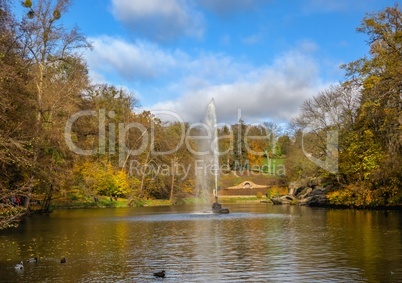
[{"x": 208, "y": 172}]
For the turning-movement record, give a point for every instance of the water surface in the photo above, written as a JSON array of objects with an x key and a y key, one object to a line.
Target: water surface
[{"x": 254, "y": 243}]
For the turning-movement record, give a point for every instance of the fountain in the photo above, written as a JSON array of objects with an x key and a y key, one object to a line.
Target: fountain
[{"x": 207, "y": 175}]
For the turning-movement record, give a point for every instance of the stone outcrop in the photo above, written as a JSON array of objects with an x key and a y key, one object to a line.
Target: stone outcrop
[{"x": 305, "y": 192}]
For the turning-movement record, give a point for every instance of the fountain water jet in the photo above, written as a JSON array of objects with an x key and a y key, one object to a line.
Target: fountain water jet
[{"x": 207, "y": 174}]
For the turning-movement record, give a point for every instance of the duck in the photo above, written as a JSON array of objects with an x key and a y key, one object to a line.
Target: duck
[
  {"x": 32, "y": 260},
  {"x": 63, "y": 260},
  {"x": 19, "y": 266},
  {"x": 160, "y": 274}
]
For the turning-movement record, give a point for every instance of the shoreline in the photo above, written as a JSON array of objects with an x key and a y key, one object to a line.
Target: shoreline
[{"x": 124, "y": 203}]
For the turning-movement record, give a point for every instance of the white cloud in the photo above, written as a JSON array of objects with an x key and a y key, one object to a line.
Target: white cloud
[
  {"x": 267, "y": 93},
  {"x": 132, "y": 61},
  {"x": 159, "y": 20},
  {"x": 185, "y": 84}
]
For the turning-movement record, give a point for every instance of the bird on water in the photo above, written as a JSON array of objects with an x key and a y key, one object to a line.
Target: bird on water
[
  {"x": 32, "y": 260},
  {"x": 160, "y": 274},
  {"x": 19, "y": 266}
]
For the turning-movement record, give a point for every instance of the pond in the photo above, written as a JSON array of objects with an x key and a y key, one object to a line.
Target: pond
[{"x": 254, "y": 243}]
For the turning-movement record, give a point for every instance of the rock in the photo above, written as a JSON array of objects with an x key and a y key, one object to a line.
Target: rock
[
  {"x": 291, "y": 191},
  {"x": 317, "y": 201},
  {"x": 280, "y": 200},
  {"x": 305, "y": 193},
  {"x": 314, "y": 182},
  {"x": 304, "y": 201},
  {"x": 318, "y": 191},
  {"x": 298, "y": 191},
  {"x": 318, "y": 197},
  {"x": 276, "y": 200},
  {"x": 288, "y": 197},
  {"x": 294, "y": 185}
]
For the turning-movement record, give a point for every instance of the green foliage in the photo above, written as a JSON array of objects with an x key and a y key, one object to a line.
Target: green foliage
[
  {"x": 297, "y": 164},
  {"x": 362, "y": 157},
  {"x": 274, "y": 166}
]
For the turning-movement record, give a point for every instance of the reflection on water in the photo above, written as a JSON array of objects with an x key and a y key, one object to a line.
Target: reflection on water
[{"x": 254, "y": 243}]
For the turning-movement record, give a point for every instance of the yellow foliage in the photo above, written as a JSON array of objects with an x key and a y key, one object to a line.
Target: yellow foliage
[
  {"x": 254, "y": 154},
  {"x": 27, "y": 3},
  {"x": 361, "y": 196},
  {"x": 371, "y": 81},
  {"x": 277, "y": 191},
  {"x": 103, "y": 179}
]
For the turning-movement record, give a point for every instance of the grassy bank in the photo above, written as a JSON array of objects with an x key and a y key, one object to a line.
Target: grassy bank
[
  {"x": 105, "y": 202},
  {"x": 240, "y": 199}
]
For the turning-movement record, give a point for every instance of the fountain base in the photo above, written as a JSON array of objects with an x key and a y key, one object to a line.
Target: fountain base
[
  {"x": 217, "y": 208},
  {"x": 221, "y": 211},
  {"x": 217, "y": 211}
]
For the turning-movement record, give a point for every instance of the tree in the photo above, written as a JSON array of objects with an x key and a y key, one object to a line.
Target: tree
[
  {"x": 15, "y": 123},
  {"x": 239, "y": 148},
  {"x": 58, "y": 77},
  {"x": 226, "y": 146},
  {"x": 297, "y": 164},
  {"x": 273, "y": 132},
  {"x": 325, "y": 122},
  {"x": 257, "y": 144},
  {"x": 380, "y": 78},
  {"x": 103, "y": 172}
]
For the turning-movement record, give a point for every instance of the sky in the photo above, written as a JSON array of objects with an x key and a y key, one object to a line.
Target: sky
[{"x": 258, "y": 59}]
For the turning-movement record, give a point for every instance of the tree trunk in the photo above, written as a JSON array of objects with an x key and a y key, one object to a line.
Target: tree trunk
[
  {"x": 47, "y": 199},
  {"x": 172, "y": 183}
]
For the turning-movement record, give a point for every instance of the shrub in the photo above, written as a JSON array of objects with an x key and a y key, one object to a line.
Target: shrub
[
  {"x": 276, "y": 191},
  {"x": 363, "y": 196}
]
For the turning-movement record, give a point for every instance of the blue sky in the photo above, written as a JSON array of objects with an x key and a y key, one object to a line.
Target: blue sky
[{"x": 264, "y": 57}]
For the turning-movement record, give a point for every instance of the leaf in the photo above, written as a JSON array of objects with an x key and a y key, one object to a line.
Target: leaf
[{"x": 27, "y": 3}]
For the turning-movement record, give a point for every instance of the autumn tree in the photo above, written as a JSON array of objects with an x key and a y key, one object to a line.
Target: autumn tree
[
  {"x": 379, "y": 119},
  {"x": 325, "y": 121},
  {"x": 106, "y": 111},
  {"x": 256, "y": 144},
  {"x": 59, "y": 75},
  {"x": 181, "y": 160},
  {"x": 297, "y": 165},
  {"x": 239, "y": 146},
  {"x": 366, "y": 113},
  {"x": 16, "y": 114},
  {"x": 272, "y": 132}
]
